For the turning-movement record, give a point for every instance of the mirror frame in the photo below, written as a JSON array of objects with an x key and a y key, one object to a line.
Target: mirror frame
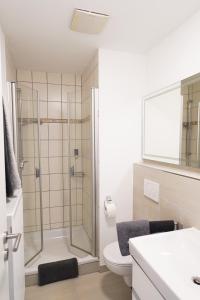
[{"x": 162, "y": 159}]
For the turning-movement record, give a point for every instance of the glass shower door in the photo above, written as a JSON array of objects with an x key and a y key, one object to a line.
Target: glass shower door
[
  {"x": 28, "y": 123},
  {"x": 191, "y": 123},
  {"x": 83, "y": 157}
]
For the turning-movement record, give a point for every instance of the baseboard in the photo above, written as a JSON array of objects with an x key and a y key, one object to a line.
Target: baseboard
[{"x": 103, "y": 269}]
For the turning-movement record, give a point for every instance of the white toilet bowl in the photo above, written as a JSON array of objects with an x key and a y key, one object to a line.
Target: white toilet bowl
[{"x": 121, "y": 265}]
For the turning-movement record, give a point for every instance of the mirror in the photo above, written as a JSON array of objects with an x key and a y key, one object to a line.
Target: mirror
[{"x": 171, "y": 124}]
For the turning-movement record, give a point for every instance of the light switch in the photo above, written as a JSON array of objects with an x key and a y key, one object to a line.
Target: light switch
[{"x": 151, "y": 190}]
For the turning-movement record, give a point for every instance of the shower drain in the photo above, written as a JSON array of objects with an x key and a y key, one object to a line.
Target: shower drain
[{"x": 196, "y": 279}]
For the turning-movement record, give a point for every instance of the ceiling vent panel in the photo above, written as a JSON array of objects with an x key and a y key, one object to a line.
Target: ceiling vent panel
[{"x": 88, "y": 22}]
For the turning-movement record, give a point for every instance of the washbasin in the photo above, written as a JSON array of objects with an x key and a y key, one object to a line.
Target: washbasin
[{"x": 171, "y": 260}]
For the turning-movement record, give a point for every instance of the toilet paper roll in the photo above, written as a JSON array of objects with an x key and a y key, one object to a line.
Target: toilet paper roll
[{"x": 110, "y": 209}]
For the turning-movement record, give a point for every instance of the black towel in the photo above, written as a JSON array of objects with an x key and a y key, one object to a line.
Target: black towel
[
  {"x": 13, "y": 181},
  {"x": 127, "y": 230},
  {"x": 161, "y": 226},
  {"x": 58, "y": 270}
]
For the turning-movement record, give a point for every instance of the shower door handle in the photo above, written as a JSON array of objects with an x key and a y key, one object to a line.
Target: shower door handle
[
  {"x": 16, "y": 237},
  {"x": 22, "y": 163},
  {"x": 75, "y": 174}
]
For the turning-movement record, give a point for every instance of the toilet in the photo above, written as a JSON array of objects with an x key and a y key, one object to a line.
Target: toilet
[{"x": 118, "y": 264}]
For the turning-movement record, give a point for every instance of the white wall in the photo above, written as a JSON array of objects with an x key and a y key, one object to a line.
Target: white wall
[
  {"x": 3, "y": 226},
  {"x": 121, "y": 81},
  {"x": 10, "y": 67},
  {"x": 176, "y": 57}
]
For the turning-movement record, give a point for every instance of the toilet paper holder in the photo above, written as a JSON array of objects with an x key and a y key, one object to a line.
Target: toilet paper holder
[
  {"x": 108, "y": 200},
  {"x": 109, "y": 208}
]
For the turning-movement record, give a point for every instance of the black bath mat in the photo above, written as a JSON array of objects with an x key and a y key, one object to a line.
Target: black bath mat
[{"x": 58, "y": 270}]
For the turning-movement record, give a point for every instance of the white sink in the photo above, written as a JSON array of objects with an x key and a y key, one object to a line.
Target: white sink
[{"x": 170, "y": 260}]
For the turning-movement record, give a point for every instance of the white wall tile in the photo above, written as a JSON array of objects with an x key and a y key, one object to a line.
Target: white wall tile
[
  {"x": 56, "y": 198},
  {"x": 43, "y": 109},
  {"x": 54, "y": 78},
  {"x": 55, "y": 131},
  {"x": 25, "y": 90},
  {"x": 66, "y": 213},
  {"x": 54, "y": 110},
  {"x": 66, "y": 197},
  {"x": 66, "y": 181},
  {"x": 45, "y": 212},
  {"x": 68, "y": 93},
  {"x": 72, "y": 128},
  {"x": 78, "y": 131},
  {"x": 56, "y": 165},
  {"x": 57, "y": 225},
  {"x": 41, "y": 88},
  {"x": 65, "y": 110},
  {"x": 78, "y": 111},
  {"x": 45, "y": 199},
  {"x": 24, "y": 75},
  {"x": 78, "y": 94},
  {"x": 44, "y": 149},
  {"x": 56, "y": 214},
  {"x": 54, "y": 92},
  {"x": 29, "y": 201},
  {"x": 56, "y": 182},
  {"x": 79, "y": 212},
  {"x": 65, "y": 131},
  {"x": 44, "y": 133},
  {"x": 65, "y": 148},
  {"x": 45, "y": 183},
  {"x": 40, "y": 77},
  {"x": 28, "y": 148},
  {"x": 72, "y": 110},
  {"x": 27, "y": 109},
  {"x": 55, "y": 148},
  {"x": 29, "y": 166},
  {"x": 65, "y": 163},
  {"x": 44, "y": 165},
  {"x": 29, "y": 218},
  {"x": 68, "y": 79},
  {"x": 27, "y": 132},
  {"x": 79, "y": 196}
]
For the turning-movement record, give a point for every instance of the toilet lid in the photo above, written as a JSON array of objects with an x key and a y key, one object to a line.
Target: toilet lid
[{"x": 113, "y": 255}]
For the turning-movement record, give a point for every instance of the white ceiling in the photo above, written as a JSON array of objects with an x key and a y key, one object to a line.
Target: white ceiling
[{"x": 40, "y": 39}]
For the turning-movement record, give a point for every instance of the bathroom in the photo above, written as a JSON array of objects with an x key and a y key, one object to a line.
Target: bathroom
[{"x": 80, "y": 81}]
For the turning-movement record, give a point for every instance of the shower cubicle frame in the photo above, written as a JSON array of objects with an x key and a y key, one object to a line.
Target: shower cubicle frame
[
  {"x": 95, "y": 172},
  {"x": 15, "y": 114},
  {"x": 95, "y": 163}
]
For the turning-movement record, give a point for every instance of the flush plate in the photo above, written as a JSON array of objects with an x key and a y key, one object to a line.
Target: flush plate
[{"x": 151, "y": 190}]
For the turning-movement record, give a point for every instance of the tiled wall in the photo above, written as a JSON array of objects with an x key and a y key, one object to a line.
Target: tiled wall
[
  {"x": 89, "y": 80},
  {"x": 179, "y": 197},
  {"x": 60, "y": 97}
]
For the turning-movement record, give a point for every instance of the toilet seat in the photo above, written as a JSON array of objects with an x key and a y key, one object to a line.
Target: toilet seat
[{"x": 113, "y": 256}]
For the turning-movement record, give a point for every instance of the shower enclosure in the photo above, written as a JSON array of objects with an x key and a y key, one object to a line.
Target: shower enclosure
[
  {"x": 57, "y": 155},
  {"x": 191, "y": 122}
]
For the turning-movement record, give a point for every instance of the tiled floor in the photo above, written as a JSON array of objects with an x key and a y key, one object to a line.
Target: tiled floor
[{"x": 98, "y": 286}]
